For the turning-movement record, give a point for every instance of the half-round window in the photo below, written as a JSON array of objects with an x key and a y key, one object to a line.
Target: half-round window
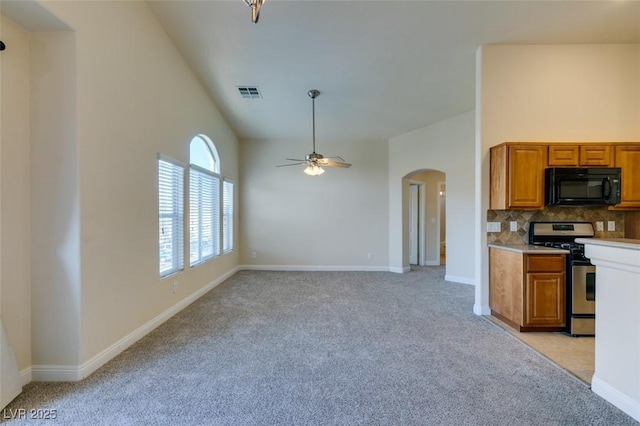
[{"x": 203, "y": 154}]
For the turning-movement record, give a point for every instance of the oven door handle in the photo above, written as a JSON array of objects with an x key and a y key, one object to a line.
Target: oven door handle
[{"x": 606, "y": 188}]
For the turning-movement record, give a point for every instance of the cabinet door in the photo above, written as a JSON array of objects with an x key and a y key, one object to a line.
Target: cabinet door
[
  {"x": 595, "y": 155},
  {"x": 545, "y": 303},
  {"x": 563, "y": 155},
  {"x": 526, "y": 166},
  {"x": 627, "y": 157}
]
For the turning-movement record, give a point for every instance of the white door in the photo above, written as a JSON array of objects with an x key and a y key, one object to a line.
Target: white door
[{"x": 414, "y": 209}]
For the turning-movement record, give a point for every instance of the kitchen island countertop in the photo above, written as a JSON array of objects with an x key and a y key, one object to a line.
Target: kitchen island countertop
[
  {"x": 528, "y": 248},
  {"x": 626, "y": 243}
]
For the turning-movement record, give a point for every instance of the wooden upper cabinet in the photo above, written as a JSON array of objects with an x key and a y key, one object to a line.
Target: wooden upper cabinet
[
  {"x": 627, "y": 157},
  {"x": 596, "y": 155},
  {"x": 574, "y": 155},
  {"x": 564, "y": 155},
  {"x": 517, "y": 176}
]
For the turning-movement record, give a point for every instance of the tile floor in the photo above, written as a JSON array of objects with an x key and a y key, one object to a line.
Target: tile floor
[{"x": 574, "y": 354}]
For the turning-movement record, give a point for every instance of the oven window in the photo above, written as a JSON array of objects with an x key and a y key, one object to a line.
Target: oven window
[{"x": 591, "y": 286}]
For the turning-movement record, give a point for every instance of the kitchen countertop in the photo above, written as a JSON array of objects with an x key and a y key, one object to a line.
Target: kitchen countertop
[{"x": 528, "y": 248}]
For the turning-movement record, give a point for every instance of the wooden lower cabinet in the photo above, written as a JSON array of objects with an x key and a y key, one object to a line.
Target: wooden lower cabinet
[
  {"x": 527, "y": 291},
  {"x": 544, "y": 296}
]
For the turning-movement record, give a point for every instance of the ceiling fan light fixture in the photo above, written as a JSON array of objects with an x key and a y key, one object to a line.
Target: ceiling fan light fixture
[
  {"x": 314, "y": 170},
  {"x": 314, "y": 160}
]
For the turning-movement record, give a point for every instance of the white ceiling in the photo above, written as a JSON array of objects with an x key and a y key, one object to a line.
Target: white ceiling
[{"x": 383, "y": 67}]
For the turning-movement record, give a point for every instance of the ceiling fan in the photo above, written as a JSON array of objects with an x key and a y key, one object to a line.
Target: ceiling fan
[{"x": 315, "y": 161}]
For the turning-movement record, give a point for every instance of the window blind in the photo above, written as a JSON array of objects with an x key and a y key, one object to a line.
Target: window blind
[
  {"x": 227, "y": 215},
  {"x": 204, "y": 215},
  {"x": 171, "y": 216}
]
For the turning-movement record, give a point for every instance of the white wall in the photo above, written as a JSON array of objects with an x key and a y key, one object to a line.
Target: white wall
[
  {"x": 105, "y": 99},
  {"x": 55, "y": 222},
  {"x": 447, "y": 146},
  {"x": 15, "y": 227},
  {"x": 550, "y": 93},
  {"x": 136, "y": 97},
  {"x": 333, "y": 221}
]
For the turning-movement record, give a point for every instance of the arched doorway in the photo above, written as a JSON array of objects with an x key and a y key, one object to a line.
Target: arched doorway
[{"x": 424, "y": 198}]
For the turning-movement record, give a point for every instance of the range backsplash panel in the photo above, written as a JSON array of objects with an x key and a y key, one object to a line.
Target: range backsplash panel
[{"x": 551, "y": 214}]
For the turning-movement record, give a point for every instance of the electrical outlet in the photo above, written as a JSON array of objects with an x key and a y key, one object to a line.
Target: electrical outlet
[
  {"x": 493, "y": 227},
  {"x": 254, "y": 254},
  {"x": 611, "y": 225},
  {"x": 175, "y": 287},
  {"x": 369, "y": 256},
  {"x": 599, "y": 225},
  {"x": 513, "y": 226}
]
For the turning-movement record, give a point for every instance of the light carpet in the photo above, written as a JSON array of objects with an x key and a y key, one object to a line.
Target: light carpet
[{"x": 327, "y": 348}]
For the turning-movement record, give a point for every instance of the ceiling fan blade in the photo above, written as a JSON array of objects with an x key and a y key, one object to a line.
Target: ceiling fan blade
[
  {"x": 333, "y": 162},
  {"x": 294, "y": 159},
  {"x": 292, "y": 164},
  {"x": 336, "y": 164}
]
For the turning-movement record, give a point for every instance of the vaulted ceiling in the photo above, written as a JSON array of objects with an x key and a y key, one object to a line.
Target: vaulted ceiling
[{"x": 383, "y": 67}]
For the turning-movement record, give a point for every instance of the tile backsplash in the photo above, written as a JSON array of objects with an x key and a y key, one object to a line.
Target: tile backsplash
[{"x": 551, "y": 214}]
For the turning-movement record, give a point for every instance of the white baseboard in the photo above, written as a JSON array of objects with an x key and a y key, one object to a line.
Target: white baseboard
[
  {"x": 357, "y": 268},
  {"x": 25, "y": 376},
  {"x": 62, "y": 373},
  {"x": 481, "y": 310},
  {"x": 461, "y": 280},
  {"x": 431, "y": 263},
  {"x": 339, "y": 268},
  {"x": 56, "y": 373},
  {"x": 617, "y": 398},
  {"x": 397, "y": 270}
]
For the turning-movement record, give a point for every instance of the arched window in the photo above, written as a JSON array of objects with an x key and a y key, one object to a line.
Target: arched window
[
  {"x": 203, "y": 153},
  {"x": 204, "y": 200},
  {"x": 211, "y": 204}
]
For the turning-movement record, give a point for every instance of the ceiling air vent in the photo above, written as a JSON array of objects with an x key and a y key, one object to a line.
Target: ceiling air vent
[{"x": 250, "y": 92}]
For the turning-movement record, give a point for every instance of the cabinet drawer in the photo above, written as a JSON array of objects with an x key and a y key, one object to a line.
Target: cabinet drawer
[{"x": 545, "y": 263}]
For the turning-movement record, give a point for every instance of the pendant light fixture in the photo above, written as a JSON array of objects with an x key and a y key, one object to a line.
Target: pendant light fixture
[{"x": 255, "y": 6}]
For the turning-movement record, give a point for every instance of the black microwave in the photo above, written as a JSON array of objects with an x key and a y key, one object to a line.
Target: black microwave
[{"x": 591, "y": 186}]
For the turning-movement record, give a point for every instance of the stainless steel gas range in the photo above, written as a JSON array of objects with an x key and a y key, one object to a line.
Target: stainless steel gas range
[{"x": 580, "y": 273}]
